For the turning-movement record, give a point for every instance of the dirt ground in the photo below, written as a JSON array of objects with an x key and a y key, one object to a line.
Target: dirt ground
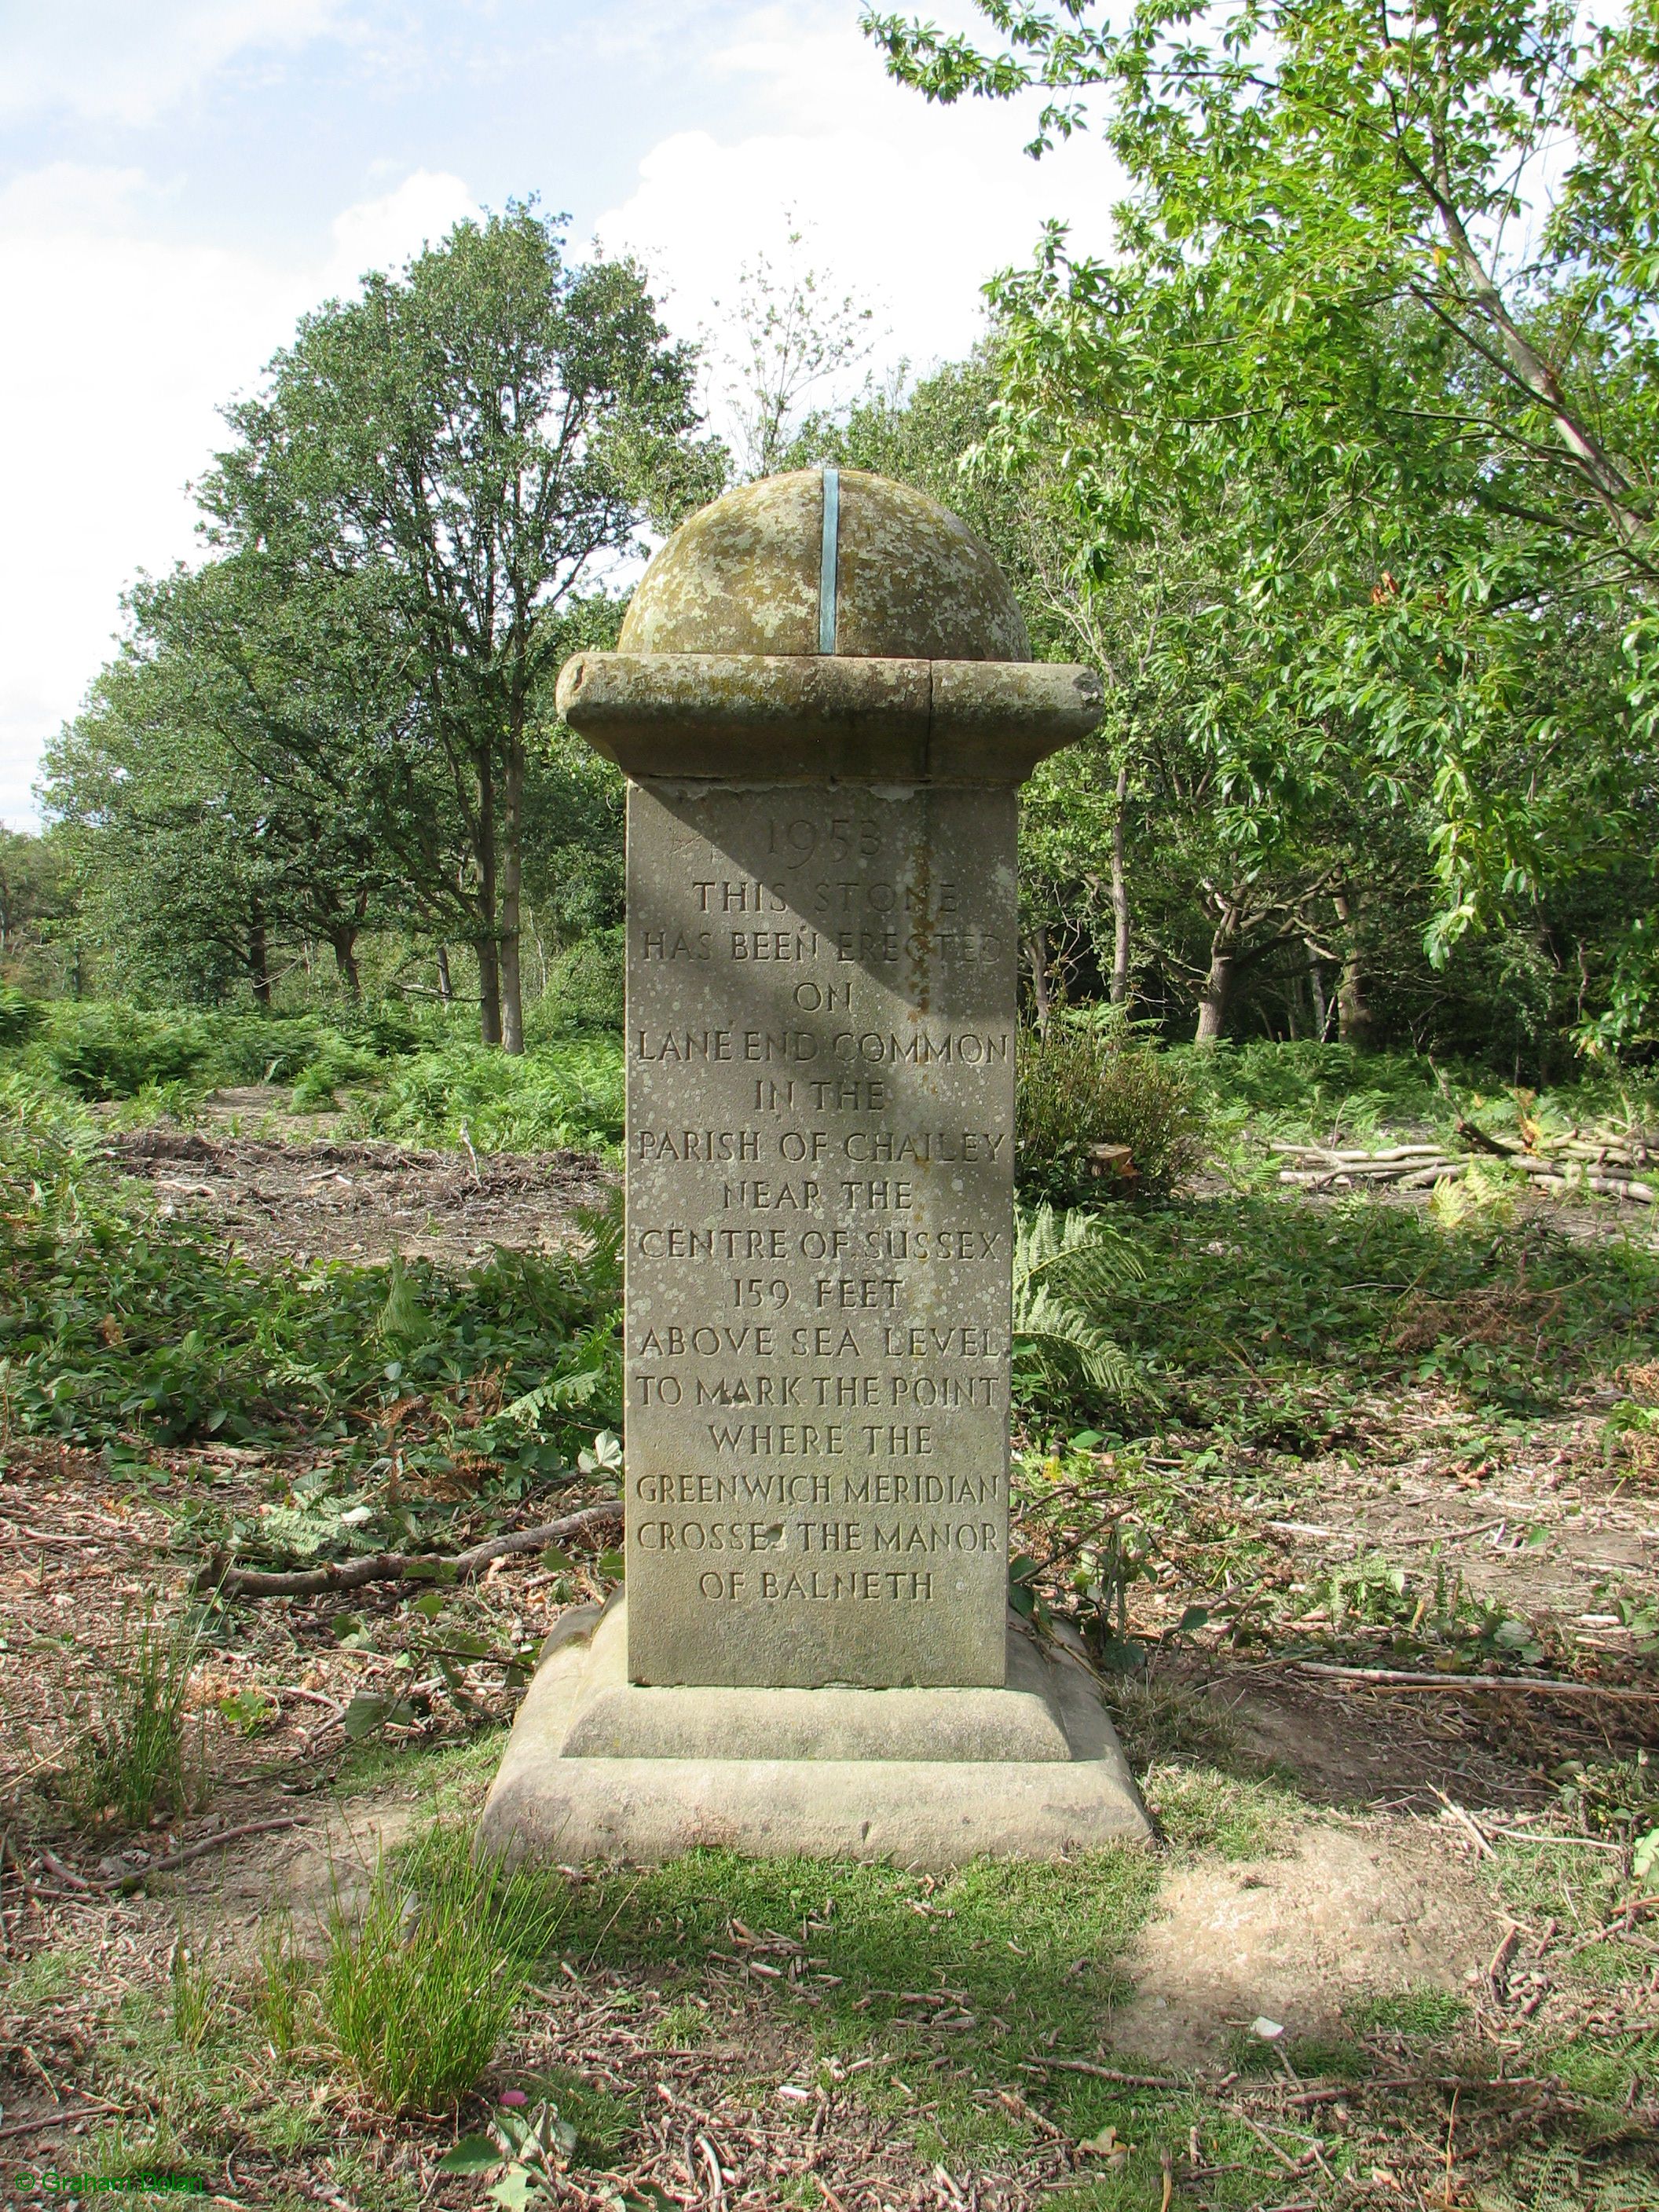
[
  {"x": 1376, "y": 1880},
  {"x": 330, "y": 1198}
]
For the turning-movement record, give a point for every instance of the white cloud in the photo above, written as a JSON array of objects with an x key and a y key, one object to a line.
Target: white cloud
[
  {"x": 913, "y": 207},
  {"x": 382, "y": 233},
  {"x": 109, "y": 60},
  {"x": 124, "y": 350}
]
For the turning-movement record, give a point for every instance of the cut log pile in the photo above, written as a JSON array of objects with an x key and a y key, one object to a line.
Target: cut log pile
[{"x": 1598, "y": 1161}]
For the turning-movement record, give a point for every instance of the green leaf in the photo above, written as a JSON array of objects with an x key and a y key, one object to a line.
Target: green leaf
[
  {"x": 610, "y": 1566},
  {"x": 473, "y": 2155},
  {"x": 368, "y": 1712},
  {"x": 430, "y": 1605},
  {"x": 249, "y": 1711}
]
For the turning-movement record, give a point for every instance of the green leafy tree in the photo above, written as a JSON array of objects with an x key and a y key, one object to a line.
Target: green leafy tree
[
  {"x": 34, "y": 899},
  {"x": 1371, "y": 337},
  {"x": 440, "y": 468}
]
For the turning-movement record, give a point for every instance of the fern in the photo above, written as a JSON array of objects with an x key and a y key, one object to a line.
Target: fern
[
  {"x": 1069, "y": 1269},
  {"x": 403, "y": 1323}
]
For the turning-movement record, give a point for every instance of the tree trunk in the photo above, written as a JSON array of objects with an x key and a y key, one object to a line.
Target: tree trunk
[
  {"x": 258, "y": 957},
  {"x": 1037, "y": 952},
  {"x": 446, "y": 988},
  {"x": 490, "y": 989},
  {"x": 485, "y": 944},
  {"x": 1213, "y": 1000},
  {"x": 345, "y": 942},
  {"x": 1317, "y": 986},
  {"x": 1120, "y": 896},
  {"x": 1353, "y": 1016},
  {"x": 511, "y": 887}
]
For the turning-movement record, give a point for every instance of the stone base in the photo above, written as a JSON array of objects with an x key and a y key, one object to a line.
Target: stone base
[{"x": 600, "y": 1768}]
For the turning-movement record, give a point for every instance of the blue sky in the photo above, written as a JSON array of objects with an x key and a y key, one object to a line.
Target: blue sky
[{"x": 180, "y": 180}]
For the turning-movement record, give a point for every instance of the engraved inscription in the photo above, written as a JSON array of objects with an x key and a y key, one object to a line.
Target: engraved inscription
[{"x": 820, "y": 1082}]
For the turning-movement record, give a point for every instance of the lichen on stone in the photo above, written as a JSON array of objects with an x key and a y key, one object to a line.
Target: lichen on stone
[{"x": 743, "y": 575}]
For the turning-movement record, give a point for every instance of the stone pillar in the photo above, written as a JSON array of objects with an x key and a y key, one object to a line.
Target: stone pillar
[
  {"x": 824, "y": 705},
  {"x": 820, "y": 1213}
]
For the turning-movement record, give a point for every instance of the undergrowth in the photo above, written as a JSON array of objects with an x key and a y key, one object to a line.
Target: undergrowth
[{"x": 117, "y": 1323}]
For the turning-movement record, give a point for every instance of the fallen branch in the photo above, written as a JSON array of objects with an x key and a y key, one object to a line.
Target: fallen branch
[
  {"x": 219, "y": 1576},
  {"x": 1637, "y": 1194},
  {"x": 60, "y": 2118},
  {"x": 53, "y": 1864},
  {"x": 1101, "y": 2073},
  {"x": 1401, "y": 1678},
  {"x": 172, "y": 1860}
]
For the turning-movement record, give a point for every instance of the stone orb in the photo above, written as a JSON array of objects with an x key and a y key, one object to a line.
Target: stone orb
[{"x": 743, "y": 576}]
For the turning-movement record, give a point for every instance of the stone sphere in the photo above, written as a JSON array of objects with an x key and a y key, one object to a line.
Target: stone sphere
[{"x": 743, "y": 575}]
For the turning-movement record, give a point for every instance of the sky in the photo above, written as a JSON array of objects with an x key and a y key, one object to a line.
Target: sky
[{"x": 180, "y": 181}]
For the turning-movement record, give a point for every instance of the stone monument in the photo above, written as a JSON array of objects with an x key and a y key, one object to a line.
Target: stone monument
[{"x": 824, "y": 703}]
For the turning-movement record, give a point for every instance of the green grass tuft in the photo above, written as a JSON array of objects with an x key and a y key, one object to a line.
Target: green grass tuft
[
  {"x": 132, "y": 1760},
  {"x": 1201, "y": 1808},
  {"x": 421, "y": 1980}
]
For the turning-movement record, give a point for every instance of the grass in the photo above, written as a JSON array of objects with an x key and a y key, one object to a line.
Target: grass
[
  {"x": 423, "y": 1976},
  {"x": 1203, "y": 1811},
  {"x": 195, "y": 1994},
  {"x": 1423, "y": 2013},
  {"x": 1010, "y": 1952},
  {"x": 133, "y": 1758},
  {"x": 1268, "y": 1332},
  {"x": 1269, "y": 1321}
]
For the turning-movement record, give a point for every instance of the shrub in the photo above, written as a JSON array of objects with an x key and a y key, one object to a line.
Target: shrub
[
  {"x": 421, "y": 1983},
  {"x": 113, "y": 1051},
  {"x": 1084, "y": 1089},
  {"x": 20, "y": 1017},
  {"x": 336, "y": 1063},
  {"x": 555, "y": 1095},
  {"x": 585, "y": 983}
]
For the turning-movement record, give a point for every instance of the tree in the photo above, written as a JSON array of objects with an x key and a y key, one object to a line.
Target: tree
[
  {"x": 1415, "y": 420},
  {"x": 792, "y": 336},
  {"x": 434, "y": 472},
  {"x": 32, "y": 896}
]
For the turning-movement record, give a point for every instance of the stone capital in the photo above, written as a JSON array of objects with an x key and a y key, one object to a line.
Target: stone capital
[{"x": 798, "y": 718}]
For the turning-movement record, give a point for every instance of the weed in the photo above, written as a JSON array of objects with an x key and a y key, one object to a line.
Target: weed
[
  {"x": 1068, "y": 1270},
  {"x": 1158, "y": 1722},
  {"x": 195, "y": 1997},
  {"x": 421, "y": 1981},
  {"x": 132, "y": 1760},
  {"x": 1555, "y": 2180},
  {"x": 600, "y": 2120}
]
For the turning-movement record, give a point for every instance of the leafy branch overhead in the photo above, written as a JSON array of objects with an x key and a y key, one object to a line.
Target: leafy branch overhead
[{"x": 1377, "y": 341}]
